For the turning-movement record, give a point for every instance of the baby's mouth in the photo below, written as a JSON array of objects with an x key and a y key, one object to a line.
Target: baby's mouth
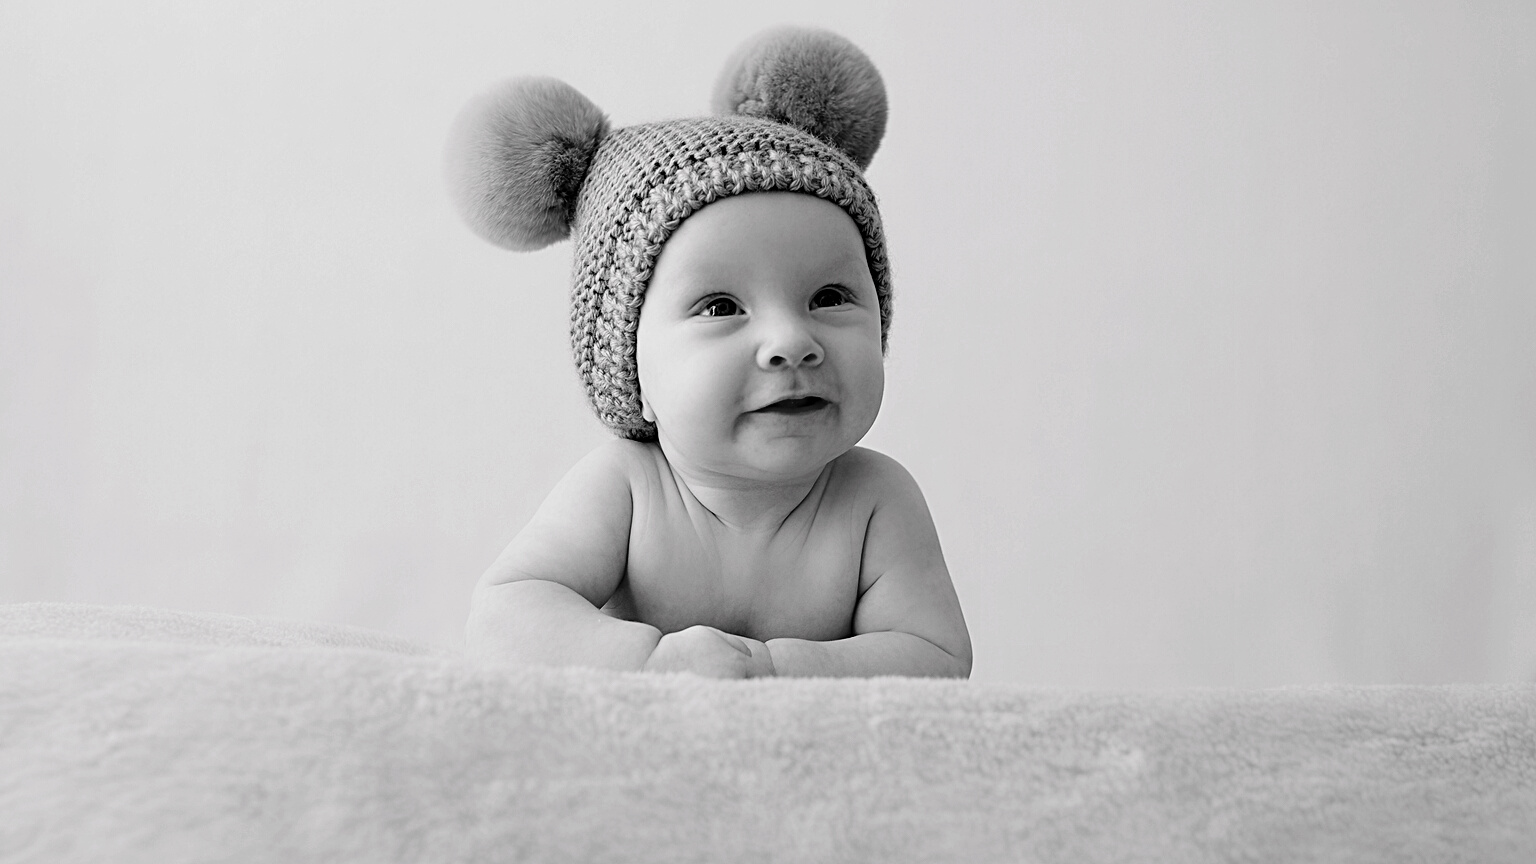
[{"x": 802, "y": 405}]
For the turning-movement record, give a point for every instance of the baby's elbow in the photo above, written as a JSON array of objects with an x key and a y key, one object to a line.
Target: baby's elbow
[
  {"x": 944, "y": 659},
  {"x": 960, "y": 658},
  {"x": 491, "y": 632},
  {"x": 484, "y": 632},
  {"x": 960, "y": 664}
]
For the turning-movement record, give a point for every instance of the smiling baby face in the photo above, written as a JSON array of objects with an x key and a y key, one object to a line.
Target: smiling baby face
[{"x": 759, "y": 339}]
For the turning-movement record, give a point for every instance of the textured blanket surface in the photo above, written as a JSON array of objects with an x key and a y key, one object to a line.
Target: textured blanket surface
[{"x": 131, "y": 735}]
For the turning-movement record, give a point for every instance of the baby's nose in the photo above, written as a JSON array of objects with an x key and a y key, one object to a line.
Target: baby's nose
[
  {"x": 787, "y": 346},
  {"x": 789, "y": 361}
]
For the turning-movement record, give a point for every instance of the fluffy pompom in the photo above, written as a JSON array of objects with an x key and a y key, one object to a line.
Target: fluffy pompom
[
  {"x": 811, "y": 79},
  {"x": 516, "y": 159}
]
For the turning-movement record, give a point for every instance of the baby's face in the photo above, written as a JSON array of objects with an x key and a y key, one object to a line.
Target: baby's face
[{"x": 759, "y": 340}]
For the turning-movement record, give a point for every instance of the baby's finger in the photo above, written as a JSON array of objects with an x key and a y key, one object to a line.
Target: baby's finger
[
  {"x": 736, "y": 642},
  {"x": 760, "y": 665}
]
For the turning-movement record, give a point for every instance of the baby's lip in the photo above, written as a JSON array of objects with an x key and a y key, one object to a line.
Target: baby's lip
[{"x": 794, "y": 405}]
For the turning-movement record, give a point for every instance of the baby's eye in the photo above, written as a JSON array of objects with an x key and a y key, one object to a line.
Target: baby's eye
[
  {"x": 829, "y": 297},
  {"x": 720, "y": 307}
]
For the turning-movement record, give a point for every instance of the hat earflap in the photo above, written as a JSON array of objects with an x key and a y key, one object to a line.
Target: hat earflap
[
  {"x": 516, "y": 158},
  {"x": 813, "y": 80}
]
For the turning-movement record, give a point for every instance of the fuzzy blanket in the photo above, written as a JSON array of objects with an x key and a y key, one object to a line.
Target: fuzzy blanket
[{"x": 140, "y": 735}]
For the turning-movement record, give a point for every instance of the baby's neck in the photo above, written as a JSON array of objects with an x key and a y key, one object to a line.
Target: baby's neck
[{"x": 745, "y": 504}]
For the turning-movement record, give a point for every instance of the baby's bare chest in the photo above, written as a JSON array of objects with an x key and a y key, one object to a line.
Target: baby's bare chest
[{"x": 801, "y": 581}]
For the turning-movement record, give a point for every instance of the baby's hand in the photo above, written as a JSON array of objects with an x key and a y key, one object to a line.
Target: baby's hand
[{"x": 712, "y": 653}]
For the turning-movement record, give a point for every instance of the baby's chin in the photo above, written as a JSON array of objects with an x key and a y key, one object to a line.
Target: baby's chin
[
  {"x": 774, "y": 461},
  {"x": 788, "y": 457},
  {"x": 783, "y": 464}
]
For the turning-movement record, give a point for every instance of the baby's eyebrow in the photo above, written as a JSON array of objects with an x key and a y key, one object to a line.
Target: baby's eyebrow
[
  {"x": 850, "y": 258},
  {"x": 692, "y": 286}
]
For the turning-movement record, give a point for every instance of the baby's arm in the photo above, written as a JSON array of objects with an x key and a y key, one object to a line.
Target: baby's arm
[
  {"x": 908, "y": 619},
  {"x": 539, "y": 602}
]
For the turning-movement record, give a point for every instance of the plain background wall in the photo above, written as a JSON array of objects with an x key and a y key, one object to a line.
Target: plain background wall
[{"x": 1213, "y": 347}]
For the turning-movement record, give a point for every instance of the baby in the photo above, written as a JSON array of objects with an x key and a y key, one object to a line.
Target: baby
[{"x": 730, "y": 305}]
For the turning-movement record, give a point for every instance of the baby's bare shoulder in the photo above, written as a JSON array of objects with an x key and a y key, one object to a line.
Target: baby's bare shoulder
[
  {"x": 641, "y": 463},
  {"x": 865, "y": 473},
  {"x": 633, "y": 459},
  {"x": 579, "y": 534}
]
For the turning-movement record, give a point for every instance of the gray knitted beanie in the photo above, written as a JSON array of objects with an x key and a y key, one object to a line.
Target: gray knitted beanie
[{"x": 533, "y": 161}]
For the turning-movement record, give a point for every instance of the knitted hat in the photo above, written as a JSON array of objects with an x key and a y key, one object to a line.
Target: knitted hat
[{"x": 533, "y": 161}]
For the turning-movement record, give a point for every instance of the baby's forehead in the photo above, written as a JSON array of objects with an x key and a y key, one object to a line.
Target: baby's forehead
[{"x": 784, "y": 229}]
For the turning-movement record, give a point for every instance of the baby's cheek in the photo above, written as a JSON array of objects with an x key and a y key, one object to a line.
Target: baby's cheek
[
  {"x": 705, "y": 398},
  {"x": 872, "y": 380}
]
